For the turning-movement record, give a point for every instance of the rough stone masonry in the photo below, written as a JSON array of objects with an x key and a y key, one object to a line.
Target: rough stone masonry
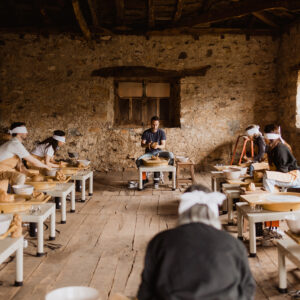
[{"x": 47, "y": 83}]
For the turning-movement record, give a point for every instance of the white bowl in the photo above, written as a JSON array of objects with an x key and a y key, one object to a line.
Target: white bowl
[
  {"x": 73, "y": 293},
  {"x": 182, "y": 158},
  {"x": 85, "y": 162},
  {"x": 52, "y": 172},
  {"x": 5, "y": 221},
  {"x": 293, "y": 223},
  {"x": 244, "y": 171},
  {"x": 23, "y": 189},
  {"x": 232, "y": 173}
]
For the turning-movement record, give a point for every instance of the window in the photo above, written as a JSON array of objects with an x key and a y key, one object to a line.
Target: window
[{"x": 137, "y": 101}]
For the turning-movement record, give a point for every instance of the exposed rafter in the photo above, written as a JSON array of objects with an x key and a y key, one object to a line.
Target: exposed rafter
[
  {"x": 151, "y": 20},
  {"x": 239, "y": 9},
  {"x": 261, "y": 16},
  {"x": 119, "y": 11},
  {"x": 179, "y": 6},
  {"x": 93, "y": 10},
  {"x": 81, "y": 21}
]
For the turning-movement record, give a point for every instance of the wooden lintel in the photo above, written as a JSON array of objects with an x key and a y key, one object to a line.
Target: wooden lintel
[
  {"x": 80, "y": 19},
  {"x": 178, "y": 11},
  {"x": 93, "y": 10},
  {"x": 238, "y": 9},
  {"x": 151, "y": 20},
  {"x": 261, "y": 16},
  {"x": 141, "y": 71},
  {"x": 119, "y": 11}
]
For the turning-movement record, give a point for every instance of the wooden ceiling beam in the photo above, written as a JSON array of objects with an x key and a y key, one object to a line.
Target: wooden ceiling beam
[
  {"x": 178, "y": 12},
  {"x": 119, "y": 11},
  {"x": 151, "y": 18},
  {"x": 261, "y": 16},
  {"x": 238, "y": 9},
  {"x": 93, "y": 9},
  {"x": 81, "y": 20}
]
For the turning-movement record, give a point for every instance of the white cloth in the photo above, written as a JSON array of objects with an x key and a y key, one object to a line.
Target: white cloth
[
  {"x": 212, "y": 200},
  {"x": 20, "y": 129},
  {"x": 252, "y": 131},
  {"x": 12, "y": 148},
  {"x": 272, "y": 136},
  {"x": 41, "y": 150},
  {"x": 59, "y": 138}
]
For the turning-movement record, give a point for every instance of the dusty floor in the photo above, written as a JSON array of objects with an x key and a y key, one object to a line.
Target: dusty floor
[{"x": 103, "y": 244}]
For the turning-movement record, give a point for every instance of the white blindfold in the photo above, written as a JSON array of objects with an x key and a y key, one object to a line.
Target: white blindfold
[
  {"x": 59, "y": 138},
  {"x": 272, "y": 136},
  {"x": 20, "y": 129},
  {"x": 252, "y": 131},
  {"x": 212, "y": 200}
]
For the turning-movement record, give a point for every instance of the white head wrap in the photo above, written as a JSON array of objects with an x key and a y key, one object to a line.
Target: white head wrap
[
  {"x": 252, "y": 131},
  {"x": 59, "y": 138},
  {"x": 20, "y": 129},
  {"x": 272, "y": 136},
  {"x": 212, "y": 200}
]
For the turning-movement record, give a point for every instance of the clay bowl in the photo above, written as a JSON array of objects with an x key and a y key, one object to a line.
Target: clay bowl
[{"x": 232, "y": 173}]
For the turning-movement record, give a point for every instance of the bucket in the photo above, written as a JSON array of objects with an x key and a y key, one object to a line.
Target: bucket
[
  {"x": 73, "y": 293},
  {"x": 132, "y": 184}
]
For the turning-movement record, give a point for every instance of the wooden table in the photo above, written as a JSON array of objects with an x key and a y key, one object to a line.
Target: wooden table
[
  {"x": 167, "y": 168},
  {"x": 84, "y": 175},
  {"x": 7, "y": 247},
  {"x": 46, "y": 210},
  {"x": 290, "y": 249},
  {"x": 182, "y": 165},
  {"x": 62, "y": 190},
  {"x": 256, "y": 216}
]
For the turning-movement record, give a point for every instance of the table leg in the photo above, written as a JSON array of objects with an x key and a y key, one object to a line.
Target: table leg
[
  {"x": 174, "y": 180},
  {"x": 282, "y": 272},
  {"x": 91, "y": 185},
  {"x": 229, "y": 209},
  {"x": 19, "y": 266},
  {"x": 252, "y": 238},
  {"x": 140, "y": 180},
  {"x": 240, "y": 220},
  {"x": 73, "y": 199},
  {"x": 52, "y": 226},
  {"x": 40, "y": 251},
  {"x": 63, "y": 210},
  {"x": 82, "y": 190}
]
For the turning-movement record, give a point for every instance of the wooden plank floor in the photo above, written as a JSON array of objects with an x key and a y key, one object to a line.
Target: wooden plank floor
[{"x": 103, "y": 244}]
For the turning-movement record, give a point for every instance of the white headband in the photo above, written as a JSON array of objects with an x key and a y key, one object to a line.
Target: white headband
[
  {"x": 20, "y": 129},
  {"x": 59, "y": 138},
  {"x": 212, "y": 200},
  {"x": 254, "y": 130},
  {"x": 272, "y": 136}
]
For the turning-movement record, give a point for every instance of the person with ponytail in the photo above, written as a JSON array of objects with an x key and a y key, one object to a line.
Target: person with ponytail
[{"x": 46, "y": 149}]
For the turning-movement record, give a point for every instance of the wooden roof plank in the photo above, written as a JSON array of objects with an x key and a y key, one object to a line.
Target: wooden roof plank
[
  {"x": 178, "y": 12},
  {"x": 151, "y": 18},
  {"x": 261, "y": 16},
  {"x": 81, "y": 20}
]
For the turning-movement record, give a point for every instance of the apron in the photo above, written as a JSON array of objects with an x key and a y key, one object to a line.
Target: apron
[
  {"x": 31, "y": 166},
  {"x": 8, "y": 173}
]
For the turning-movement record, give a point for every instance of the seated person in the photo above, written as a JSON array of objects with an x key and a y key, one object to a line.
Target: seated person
[
  {"x": 196, "y": 260},
  {"x": 154, "y": 142},
  {"x": 253, "y": 132},
  {"x": 46, "y": 149},
  {"x": 11, "y": 153},
  {"x": 280, "y": 159}
]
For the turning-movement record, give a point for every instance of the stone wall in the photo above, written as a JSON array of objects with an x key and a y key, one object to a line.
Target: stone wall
[
  {"x": 47, "y": 83},
  {"x": 288, "y": 58}
]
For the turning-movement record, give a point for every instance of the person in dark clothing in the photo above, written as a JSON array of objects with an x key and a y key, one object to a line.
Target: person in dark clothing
[
  {"x": 280, "y": 159},
  {"x": 154, "y": 142},
  {"x": 253, "y": 132},
  {"x": 196, "y": 260}
]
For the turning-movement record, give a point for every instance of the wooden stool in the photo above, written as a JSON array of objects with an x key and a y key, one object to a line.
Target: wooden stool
[{"x": 182, "y": 165}]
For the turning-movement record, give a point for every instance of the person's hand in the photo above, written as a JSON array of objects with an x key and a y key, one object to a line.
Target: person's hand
[{"x": 154, "y": 145}]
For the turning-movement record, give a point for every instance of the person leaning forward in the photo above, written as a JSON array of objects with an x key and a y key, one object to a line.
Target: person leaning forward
[
  {"x": 11, "y": 154},
  {"x": 154, "y": 142}
]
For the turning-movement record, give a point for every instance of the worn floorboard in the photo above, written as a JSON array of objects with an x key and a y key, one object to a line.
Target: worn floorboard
[{"x": 103, "y": 244}]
